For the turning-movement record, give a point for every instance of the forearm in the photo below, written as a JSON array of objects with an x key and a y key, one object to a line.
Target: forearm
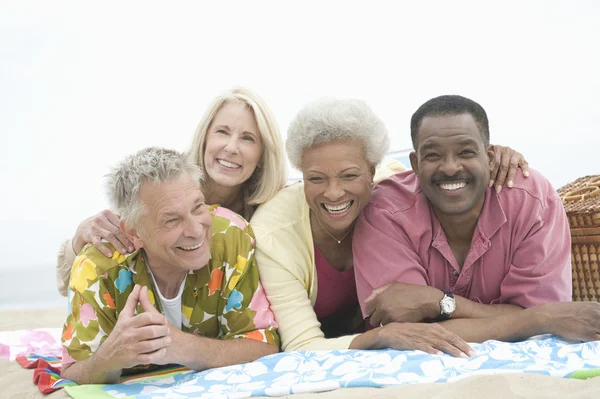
[
  {"x": 92, "y": 370},
  {"x": 467, "y": 309},
  {"x": 201, "y": 353},
  {"x": 510, "y": 326}
]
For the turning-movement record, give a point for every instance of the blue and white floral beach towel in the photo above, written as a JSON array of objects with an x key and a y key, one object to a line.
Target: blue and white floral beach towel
[{"x": 301, "y": 372}]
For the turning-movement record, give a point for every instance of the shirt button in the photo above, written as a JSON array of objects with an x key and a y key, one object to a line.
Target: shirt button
[{"x": 455, "y": 273}]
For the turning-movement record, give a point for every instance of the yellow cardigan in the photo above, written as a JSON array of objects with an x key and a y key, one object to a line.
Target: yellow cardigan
[{"x": 286, "y": 263}]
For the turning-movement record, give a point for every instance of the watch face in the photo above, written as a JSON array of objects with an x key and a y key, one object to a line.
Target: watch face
[{"x": 448, "y": 305}]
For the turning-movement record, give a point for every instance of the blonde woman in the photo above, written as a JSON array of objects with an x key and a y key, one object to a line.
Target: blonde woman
[{"x": 238, "y": 146}]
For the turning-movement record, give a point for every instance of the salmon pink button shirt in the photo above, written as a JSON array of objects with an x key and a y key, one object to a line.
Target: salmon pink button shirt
[{"x": 520, "y": 253}]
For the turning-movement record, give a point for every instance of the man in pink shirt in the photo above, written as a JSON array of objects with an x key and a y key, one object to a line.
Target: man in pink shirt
[{"x": 437, "y": 243}]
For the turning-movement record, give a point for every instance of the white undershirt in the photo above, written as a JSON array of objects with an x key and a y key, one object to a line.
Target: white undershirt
[{"x": 171, "y": 307}]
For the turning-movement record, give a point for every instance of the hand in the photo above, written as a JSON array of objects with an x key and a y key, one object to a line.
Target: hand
[
  {"x": 576, "y": 321},
  {"x": 401, "y": 302},
  {"x": 105, "y": 225},
  {"x": 427, "y": 337},
  {"x": 506, "y": 163},
  {"x": 139, "y": 339}
]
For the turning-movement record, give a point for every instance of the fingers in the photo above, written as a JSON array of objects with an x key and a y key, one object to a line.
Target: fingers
[
  {"x": 376, "y": 318},
  {"x": 152, "y": 358},
  {"x": 503, "y": 168},
  {"x": 152, "y": 332},
  {"x": 148, "y": 319},
  {"x": 145, "y": 301},
  {"x": 96, "y": 240},
  {"x": 451, "y": 343},
  {"x": 132, "y": 301},
  {"x": 118, "y": 240},
  {"x": 495, "y": 165},
  {"x": 524, "y": 166},
  {"x": 429, "y": 349},
  {"x": 152, "y": 345},
  {"x": 106, "y": 225},
  {"x": 370, "y": 306},
  {"x": 512, "y": 168}
]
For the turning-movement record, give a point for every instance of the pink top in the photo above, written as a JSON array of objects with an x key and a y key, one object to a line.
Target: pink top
[
  {"x": 337, "y": 290},
  {"x": 520, "y": 253}
]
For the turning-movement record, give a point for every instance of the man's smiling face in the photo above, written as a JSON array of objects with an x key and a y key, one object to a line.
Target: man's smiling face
[{"x": 452, "y": 163}]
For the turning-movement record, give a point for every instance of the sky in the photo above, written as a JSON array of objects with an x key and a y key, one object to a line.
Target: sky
[{"x": 82, "y": 84}]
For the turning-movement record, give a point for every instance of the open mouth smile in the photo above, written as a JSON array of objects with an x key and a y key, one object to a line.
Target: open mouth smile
[
  {"x": 453, "y": 186},
  {"x": 192, "y": 247},
  {"x": 337, "y": 209},
  {"x": 228, "y": 164}
]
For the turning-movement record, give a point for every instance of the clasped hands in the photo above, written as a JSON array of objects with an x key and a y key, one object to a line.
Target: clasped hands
[{"x": 144, "y": 338}]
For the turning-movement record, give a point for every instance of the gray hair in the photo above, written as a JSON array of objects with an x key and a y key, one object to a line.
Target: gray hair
[
  {"x": 152, "y": 164},
  {"x": 328, "y": 120}
]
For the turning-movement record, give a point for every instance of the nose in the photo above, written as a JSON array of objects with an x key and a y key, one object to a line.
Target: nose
[
  {"x": 334, "y": 190},
  {"x": 194, "y": 227},
  {"x": 450, "y": 165},
  {"x": 232, "y": 145}
]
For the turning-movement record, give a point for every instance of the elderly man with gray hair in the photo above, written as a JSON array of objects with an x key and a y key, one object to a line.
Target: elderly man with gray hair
[{"x": 184, "y": 296}]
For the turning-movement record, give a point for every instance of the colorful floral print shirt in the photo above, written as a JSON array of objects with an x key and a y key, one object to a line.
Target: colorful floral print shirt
[{"x": 222, "y": 300}]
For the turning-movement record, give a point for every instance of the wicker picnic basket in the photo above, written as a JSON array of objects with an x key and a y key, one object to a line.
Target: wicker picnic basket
[{"x": 581, "y": 199}]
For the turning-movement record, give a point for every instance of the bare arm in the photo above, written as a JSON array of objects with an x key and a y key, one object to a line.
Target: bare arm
[
  {"x": 201, "y": 353},
  {"x": 579, "y": 321},
  {"x": 401, "y": 302}
]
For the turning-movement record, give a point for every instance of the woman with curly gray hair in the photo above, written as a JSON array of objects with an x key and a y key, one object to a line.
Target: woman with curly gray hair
[{"x": 304, "y": 235}]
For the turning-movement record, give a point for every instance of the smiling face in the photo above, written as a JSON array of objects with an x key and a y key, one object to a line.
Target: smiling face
[
  {"x": 175, "y": 225},
  {"x": 337, "y": 183},
  {"x": 233, "y": 145},
  {"x": 452, "y": 163}
]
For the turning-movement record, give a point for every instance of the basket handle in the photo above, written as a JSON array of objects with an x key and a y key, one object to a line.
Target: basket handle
[{"x": 583, "y": 193}]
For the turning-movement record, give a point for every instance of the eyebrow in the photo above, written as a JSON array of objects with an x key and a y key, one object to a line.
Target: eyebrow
[
  {"x": 167, "y": 215},
  {"x": 342, "y": 171},
  {"x": 429, "y": 146},
  {"x": 468, "y": 141},
  {"x": 227, "y": 127}
]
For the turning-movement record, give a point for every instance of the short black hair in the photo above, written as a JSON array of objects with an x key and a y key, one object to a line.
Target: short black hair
[{"x": 450, "y": 105}]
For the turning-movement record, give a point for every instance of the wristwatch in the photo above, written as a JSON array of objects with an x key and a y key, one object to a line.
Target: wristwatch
[{"x": 447, "y": 306}]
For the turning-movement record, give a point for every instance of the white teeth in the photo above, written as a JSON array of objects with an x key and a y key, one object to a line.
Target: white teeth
[
  {"x": 191, "y": 248},
  {"x": 228, "y": 164},
  {"x": 453, "y": 186},
  {"x": 338, "y": 208}
]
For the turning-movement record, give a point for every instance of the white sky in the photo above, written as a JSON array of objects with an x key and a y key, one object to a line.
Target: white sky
[{"x": 84, "y": 83}]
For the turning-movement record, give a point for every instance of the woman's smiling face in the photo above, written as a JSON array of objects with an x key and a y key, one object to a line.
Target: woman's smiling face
[
  {"x": 337, "y": 183},
  {"x": 234, "y": 145}
]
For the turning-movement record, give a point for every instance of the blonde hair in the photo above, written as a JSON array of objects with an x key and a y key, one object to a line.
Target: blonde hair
[{"x": 271, "y": 173}]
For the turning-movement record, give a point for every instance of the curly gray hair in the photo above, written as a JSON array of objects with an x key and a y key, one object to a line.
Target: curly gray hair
[
  {"x": 328, "y": 120},
  {"x": 154, "y": 165}
]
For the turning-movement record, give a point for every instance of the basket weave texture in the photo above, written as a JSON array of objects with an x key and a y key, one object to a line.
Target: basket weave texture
[{"x": 581, "y": 200}]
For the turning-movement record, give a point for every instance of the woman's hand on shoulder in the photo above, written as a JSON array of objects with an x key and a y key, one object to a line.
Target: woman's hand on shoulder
[
  {"x": 506, "y": 163},
  {"x": 105, "y": 225}
]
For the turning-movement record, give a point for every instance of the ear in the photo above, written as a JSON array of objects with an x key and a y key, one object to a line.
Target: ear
[
  {"x": 372, "y": 170},
  {"x": 413, "y": 162},
  {"x": 132, "y": 235}
]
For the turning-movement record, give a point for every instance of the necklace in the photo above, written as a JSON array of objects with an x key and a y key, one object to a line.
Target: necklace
[{"x": 331, "y": 235}]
